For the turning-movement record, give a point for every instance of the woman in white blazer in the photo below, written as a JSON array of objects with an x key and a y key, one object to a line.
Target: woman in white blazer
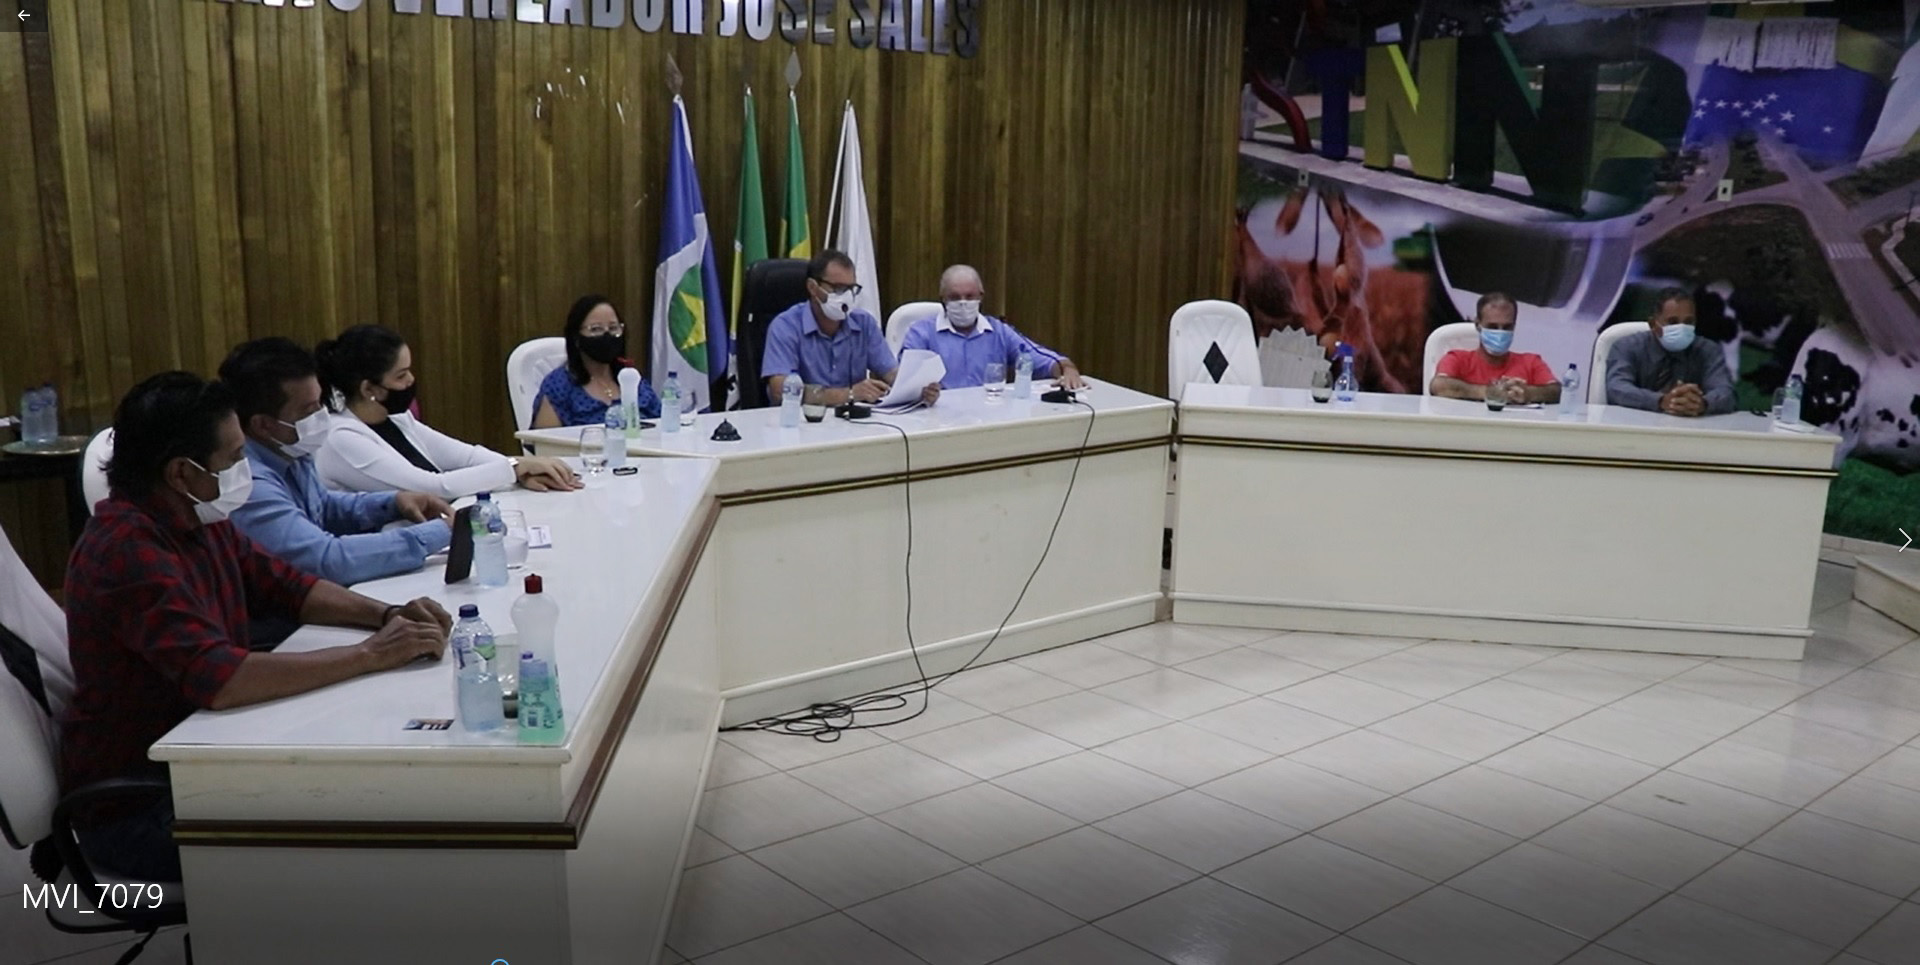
[{"x": 376, "y": 445}]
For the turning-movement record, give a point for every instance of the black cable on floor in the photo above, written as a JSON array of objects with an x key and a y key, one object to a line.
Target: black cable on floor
[{"x": 827, "y": 720}]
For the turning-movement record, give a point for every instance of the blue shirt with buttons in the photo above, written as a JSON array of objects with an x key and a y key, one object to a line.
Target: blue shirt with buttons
[
  {"x": 968, "y": 353},
  {"x": 332, "y": 535},
  {"x": 795, "y": 343}
]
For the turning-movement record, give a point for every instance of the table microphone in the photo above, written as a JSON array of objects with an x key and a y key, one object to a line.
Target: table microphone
[{"x": 852, "y": 409}]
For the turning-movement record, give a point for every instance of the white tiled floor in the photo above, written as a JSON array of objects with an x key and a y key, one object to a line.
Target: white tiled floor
[
  {"x": 1220, "y": 795},
  {"x": 1208, "y": 795},
  {"x": 1215, "y": 795}
]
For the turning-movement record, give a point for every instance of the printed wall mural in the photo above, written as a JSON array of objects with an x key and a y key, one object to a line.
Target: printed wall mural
[{"x": 1399, "y": 159}]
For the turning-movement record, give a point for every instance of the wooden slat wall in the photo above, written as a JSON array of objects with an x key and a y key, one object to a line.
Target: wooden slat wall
[{"x": 202, "y": 172}]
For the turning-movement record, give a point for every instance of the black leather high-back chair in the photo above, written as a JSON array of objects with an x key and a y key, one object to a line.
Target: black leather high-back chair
[{"x": 771, "y": 287}]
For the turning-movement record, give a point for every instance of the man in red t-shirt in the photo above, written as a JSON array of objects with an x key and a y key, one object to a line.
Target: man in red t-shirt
[{"x": 1466, "y": 373}]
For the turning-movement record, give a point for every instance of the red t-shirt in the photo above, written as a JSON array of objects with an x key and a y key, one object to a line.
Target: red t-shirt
[{"x": 1472, "y": 366}]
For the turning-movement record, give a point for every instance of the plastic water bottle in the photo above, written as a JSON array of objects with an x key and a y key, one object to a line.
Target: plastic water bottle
[
  {"x": 489, "y": 543},
  {"x": 475, "y": 687},
  {"x": 39, "y": 422},
  {"x": 535, "y": 617},
  {"x": 616, "y": 422},
  {"x": 1790, "y": 409},
  {"x": 49, "y": 413},
  {"x": 670, "y": 404},
  {"x": 1023, "y": 374},
  {"x": 1345, "y": 386},
  {"x": 1570, "y": 391},
  {"x": 790, "y": 392},
  {"x": 49, "y": 429},
  {"x": 29, "y": 415}
]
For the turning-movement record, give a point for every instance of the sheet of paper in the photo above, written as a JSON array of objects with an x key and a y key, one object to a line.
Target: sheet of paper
[{"x": 919, "y": 368}]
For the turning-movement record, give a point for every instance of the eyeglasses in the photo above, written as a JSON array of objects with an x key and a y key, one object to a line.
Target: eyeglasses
[
  {"x": 596, "y": 331},
  {"x": 833, "y": 289}
]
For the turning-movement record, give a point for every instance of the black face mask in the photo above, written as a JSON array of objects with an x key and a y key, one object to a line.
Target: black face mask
[
  {"x": 400, "y": 400},
  {"x": 604, "y": 349}
]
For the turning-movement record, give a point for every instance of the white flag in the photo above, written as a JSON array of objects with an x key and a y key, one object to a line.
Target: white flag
[{"x": 848, "y": 224}]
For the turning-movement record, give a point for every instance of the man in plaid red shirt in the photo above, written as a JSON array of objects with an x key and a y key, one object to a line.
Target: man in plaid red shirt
[{"x": 159, "y": 592}]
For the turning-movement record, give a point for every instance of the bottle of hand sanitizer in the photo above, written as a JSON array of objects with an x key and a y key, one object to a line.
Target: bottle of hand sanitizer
[{"x": 535, "y": 618}]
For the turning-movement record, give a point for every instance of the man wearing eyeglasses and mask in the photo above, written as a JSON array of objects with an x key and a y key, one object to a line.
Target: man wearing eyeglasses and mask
[
  {"x": 839, "y": 351},
  {"x": 290, "y": 513},
  {"x": 968, "y": 341}
]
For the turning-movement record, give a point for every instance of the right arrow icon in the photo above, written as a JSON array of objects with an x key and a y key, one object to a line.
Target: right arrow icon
[{"x": 1903, "y": 546}]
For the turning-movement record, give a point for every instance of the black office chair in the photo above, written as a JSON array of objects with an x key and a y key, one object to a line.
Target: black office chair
[{"x": 771, "y": 287}]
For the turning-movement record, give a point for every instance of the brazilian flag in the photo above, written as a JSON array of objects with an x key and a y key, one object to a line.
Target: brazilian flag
[{"x": 796, "y": 234}]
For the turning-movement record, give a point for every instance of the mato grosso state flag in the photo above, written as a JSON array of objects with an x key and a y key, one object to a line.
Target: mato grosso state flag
[
  {"x": 796, "y": 233},
  {"x": 689, "y": 323}
]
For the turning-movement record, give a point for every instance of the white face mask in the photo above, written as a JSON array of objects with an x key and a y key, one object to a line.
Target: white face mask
[
  {"x": 962, "y": 313},
  {"x": 313, "y": 432},
  {"x": 838, "y": 306},
  {"x": 236, "y": 484}
]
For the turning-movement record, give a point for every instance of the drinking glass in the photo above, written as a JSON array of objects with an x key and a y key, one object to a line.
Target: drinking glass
[
  {"x": 516, "y": 542},
  {"x": 996, "y": 382},
  {"x": 1497, "y": 394},
  {"x": 1779, "y": 402},
  {"x": 1322, "y": 387},
  {"x": 593, "y": 450},
  {"x": 812, "y": 403}
]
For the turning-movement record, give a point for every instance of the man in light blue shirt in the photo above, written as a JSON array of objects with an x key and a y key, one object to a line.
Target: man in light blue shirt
[
  {"x": 290, "y": 514},
  {"x": 839, "y": 351},
  {"x": 968, "y": 341}
]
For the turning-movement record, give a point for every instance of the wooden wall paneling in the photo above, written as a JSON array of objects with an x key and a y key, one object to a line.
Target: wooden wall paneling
[
  {"x": 19, "y": 197},
  {"x": 226, "y": 185},
  {"x": 326, "y": 159},
  {"x": 143, "y": 248},
  {"x": 204, "y": 172},
  {"x": 250, "y": 162},
  {"x": 104, "y": 339},
  {"x": 1135, "y": 129},
  {"x": 354, "y": 167},
  {"x": 205, "y": 331},
  {"x": 165, "y": 130},
  {"x": 294, "y": 313},
  {"x": 510, "y": 316},
  {"x": 596, "y": 157},
  {"x": 56, "y": 296}
]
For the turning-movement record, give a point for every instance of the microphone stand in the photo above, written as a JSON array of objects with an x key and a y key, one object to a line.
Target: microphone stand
[{"x": 852, "y": 409}]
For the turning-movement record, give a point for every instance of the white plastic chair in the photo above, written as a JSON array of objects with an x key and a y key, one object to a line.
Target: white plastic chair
[
  {"x": 902, "y": 320},
  {"x": 1602, "y": 350},
  {"x": 526, "y": 367},
  {"x": 31, "y": 614},
  {"x": 1446, "y": 338},
  {"x": 1196, "y": 330},
  {"x": 93, "y": 468}
]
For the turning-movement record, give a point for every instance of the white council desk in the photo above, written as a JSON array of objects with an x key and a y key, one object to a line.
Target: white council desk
[
  {"x": 315, "y": 829},
  {"x": 809, "y": 555},
  {"x": 1416, "y": 516}
]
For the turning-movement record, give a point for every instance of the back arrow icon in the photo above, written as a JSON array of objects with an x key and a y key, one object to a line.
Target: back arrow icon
[
  {"x": 24, "y": 15},
  {"x": 1903, "y": 546}
]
